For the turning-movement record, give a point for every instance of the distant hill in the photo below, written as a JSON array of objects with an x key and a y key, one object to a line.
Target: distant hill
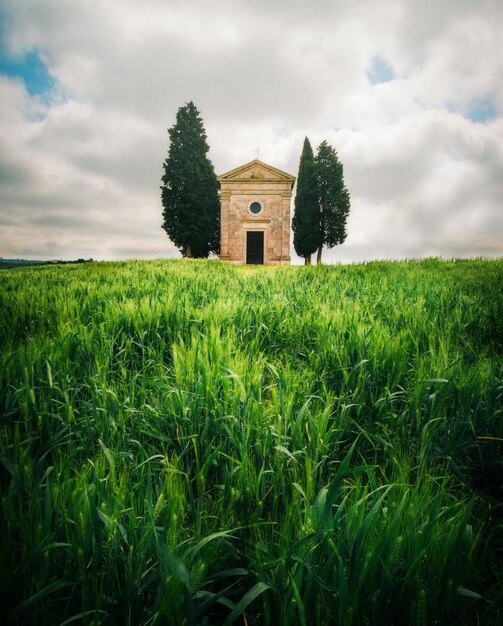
[
  {"x": 6, "y": 263},
  {"x": 10, "y": 263}
]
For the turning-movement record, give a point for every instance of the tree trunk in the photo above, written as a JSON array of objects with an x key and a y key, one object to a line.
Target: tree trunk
[
  {"x": 307, "y": 260},
  {"x": 188, "y": 251},
  {"x": 318, "y": 256}
]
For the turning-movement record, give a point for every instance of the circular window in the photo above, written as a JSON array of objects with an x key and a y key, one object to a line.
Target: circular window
[{"x": 255, "y": 208}]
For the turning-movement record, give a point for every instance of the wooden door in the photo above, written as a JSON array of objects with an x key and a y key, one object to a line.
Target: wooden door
[{"x": 255, "y": 248}]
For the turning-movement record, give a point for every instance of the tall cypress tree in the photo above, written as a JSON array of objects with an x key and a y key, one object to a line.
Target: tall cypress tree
[
  {"x": 306, "y": 218},
  {"x": 333, "y": 198},
  {"x": 191, "y": 206}
]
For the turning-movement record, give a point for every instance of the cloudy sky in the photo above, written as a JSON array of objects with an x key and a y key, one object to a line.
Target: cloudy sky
[{"x": 410, "y": 93}]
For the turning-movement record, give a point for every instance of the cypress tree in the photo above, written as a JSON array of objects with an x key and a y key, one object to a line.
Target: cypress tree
[
  {"x": 306, "y": 219},
  {"x": 333, "y": 197},
  {"x": 189, "y": 193}
]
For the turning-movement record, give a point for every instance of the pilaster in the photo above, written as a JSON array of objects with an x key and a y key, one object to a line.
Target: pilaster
[
  {"x": 285, "y": 227},
  {"x": 225, "y": 199}
]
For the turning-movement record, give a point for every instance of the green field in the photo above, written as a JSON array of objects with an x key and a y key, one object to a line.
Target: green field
[{"x": 190, "y": 442}]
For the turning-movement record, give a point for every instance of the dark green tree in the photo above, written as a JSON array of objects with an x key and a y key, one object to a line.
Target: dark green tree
[
  {"x": 189, "y": 191},
  {"x": 306, "y": 218},
  {"x": 333, "y": 198}
]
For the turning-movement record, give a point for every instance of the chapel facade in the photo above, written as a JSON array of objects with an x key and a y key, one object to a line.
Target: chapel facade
[{"x": 255, "y": 214}]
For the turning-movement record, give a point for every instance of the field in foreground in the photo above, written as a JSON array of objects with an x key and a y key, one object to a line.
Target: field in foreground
[{"x": 188, "y": 442}]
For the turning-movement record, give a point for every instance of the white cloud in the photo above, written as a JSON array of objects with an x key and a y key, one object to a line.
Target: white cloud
[{"x": 80, "y": 176}]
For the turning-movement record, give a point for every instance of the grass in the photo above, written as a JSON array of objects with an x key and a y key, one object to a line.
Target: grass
[{"x": 190, "y": 442}]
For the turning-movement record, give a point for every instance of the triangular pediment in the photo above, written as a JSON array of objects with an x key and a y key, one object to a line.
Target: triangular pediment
[{"x": 256, "y": 171}]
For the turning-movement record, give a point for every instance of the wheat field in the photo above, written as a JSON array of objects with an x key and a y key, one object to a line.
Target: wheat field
[{"x": 191, "y": 442}]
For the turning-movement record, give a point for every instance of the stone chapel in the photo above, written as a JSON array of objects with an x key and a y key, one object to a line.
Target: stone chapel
[{"x": 255, "y": 214}]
